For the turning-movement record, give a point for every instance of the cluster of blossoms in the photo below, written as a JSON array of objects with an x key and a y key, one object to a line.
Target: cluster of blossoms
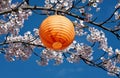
[
  {"x": 11, "y": 23},
  {"x": 14, "y": 20},
  {"x": 47, "y": 55},
  {"x": 28, "y": 37},
  {"x": 4, "y": 4},
  {"x": 97, "y": 36},
  {"x": 117, "y": 52},
  {"x": 21, "y": 47},
  {"x": 18, "y": 51},
  {"x": 59, "y": 4},
  {"x": 79, "y": 26},
  {"x": 110, "y": 62},
  {"x": 81, "y": 51},
  {"x": 117, "y": 16},
  {"x": 111, "y": 66},
  {"x": 89, "y": 6},
  {"x": 94, "y": 3},
  {"x": 75, "y": 51}
]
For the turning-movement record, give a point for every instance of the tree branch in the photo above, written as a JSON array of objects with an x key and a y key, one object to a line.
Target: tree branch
[
  {"x": 66, "y": 12},
  {"x": 109, "y": 17},
  {"x": 4, "y": 43}
]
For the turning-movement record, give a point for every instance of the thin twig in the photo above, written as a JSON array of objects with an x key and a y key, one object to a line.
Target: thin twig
[{"x": 109, "y": 17}]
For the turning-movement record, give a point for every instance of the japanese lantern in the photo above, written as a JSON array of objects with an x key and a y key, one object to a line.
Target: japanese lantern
[{"x": 56, "y": 32}]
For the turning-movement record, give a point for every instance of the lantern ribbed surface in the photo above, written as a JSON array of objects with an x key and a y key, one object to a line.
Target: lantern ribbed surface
[{"x": 56, "y": 32}]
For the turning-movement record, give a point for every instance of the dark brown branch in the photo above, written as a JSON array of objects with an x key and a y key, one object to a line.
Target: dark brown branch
[
  {"x": 98, "y": 65},
  {"x": 74, "y": 15},
  {"x": 109, "y": 17},
  {"x": 62, "y": 11},
  {"x": 91, "y": 63},
  {"x": 42, "y": 8},
  {"x": 105, "y": 28},
  {"x": 28, "y": 43}
]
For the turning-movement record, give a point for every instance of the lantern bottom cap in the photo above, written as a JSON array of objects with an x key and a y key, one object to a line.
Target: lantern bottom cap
[{"x": 57, "y": 45}]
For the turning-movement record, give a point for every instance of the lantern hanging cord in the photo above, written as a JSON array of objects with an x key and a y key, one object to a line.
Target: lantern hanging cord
[{"x": 56, "y": 12}]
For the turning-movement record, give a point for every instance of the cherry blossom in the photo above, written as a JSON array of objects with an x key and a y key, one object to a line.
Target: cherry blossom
[
  {"x": 59, "y": 4},
  {"x": 81, "y": 12}
]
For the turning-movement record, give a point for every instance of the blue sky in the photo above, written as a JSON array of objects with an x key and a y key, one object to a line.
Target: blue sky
[{"x": 30, "y": 69}]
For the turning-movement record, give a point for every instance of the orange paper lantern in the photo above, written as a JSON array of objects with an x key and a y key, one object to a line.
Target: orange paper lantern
[{"x": 56, "y": 32}]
